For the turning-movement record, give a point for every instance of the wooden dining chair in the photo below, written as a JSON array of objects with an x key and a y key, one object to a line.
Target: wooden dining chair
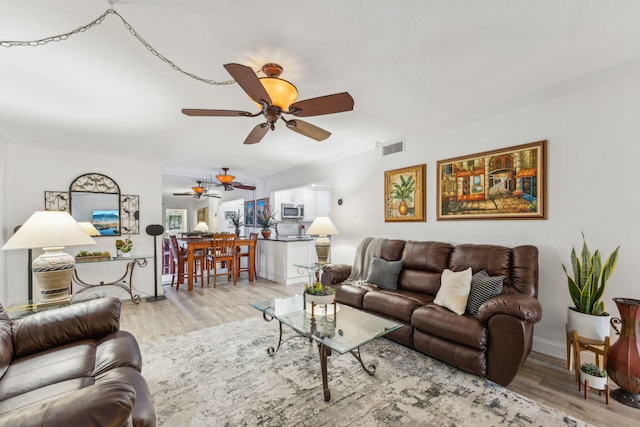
[
  {"x": 179, "y": 263},
  {"x": 222, "y": 251},
  {"x": 240, "y": 255}
]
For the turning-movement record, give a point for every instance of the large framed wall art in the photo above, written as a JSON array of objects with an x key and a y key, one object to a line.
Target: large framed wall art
[
  {"x": 404, "y": 194},
  {"x": 509, "y": 183},
  {"x": 250, "y": 214}
]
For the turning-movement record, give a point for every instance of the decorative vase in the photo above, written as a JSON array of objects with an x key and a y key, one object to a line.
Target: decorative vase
[
  {"x": 594, "y": 327},
  {"x": 266, "y": 233},
  {"x": 126, "y": 255},
  {"x": 623, "y": 359},
  {"x": 403, "y": 208},
  {"x": 237, "y": 231}
]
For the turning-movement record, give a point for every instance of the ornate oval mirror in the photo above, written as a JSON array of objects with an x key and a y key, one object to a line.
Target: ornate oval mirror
[{"x": 95, "y": 198}]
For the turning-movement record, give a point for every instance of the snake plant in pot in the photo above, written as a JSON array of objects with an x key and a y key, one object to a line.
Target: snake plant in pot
[{"x": 586, "y": 288}]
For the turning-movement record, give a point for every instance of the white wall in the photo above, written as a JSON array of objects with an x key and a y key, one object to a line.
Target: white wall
[
  {"x": 593, "y": 137},
  {"x": 33, "y": 169}
]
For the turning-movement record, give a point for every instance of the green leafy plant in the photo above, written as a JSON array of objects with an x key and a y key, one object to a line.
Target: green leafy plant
[
  {"x": 266, "y": 219},
  {"x": 590, "y": 276},
  {"x": 318, "y": 289},
  {"x": 593, "y": 369},
  {"x": 404, "y": 190},
  {"x": 235, "y": 218},
  {"x": 124, "y": 245}
]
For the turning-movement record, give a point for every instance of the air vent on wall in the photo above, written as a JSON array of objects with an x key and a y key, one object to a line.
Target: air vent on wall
[{"x": 394, "y": 147}]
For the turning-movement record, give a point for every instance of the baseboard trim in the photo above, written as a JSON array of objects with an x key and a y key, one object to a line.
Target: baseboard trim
[{"x": 550, "y": 348}]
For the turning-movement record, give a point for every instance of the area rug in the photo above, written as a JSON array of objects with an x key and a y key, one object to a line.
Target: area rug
[{"x": 222, "y": 376}]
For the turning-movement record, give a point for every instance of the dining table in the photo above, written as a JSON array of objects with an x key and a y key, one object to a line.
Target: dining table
[{"x": 193, "y": 245}]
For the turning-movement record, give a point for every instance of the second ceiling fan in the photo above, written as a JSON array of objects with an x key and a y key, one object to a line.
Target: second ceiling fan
[{"x": 276, "y": 97}]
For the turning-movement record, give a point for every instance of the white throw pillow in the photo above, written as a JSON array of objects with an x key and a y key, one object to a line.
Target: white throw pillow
[{"x": 454, "y": 290}]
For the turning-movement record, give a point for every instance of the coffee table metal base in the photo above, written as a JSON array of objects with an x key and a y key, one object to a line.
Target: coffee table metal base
[{"x": 324, "y": 352}]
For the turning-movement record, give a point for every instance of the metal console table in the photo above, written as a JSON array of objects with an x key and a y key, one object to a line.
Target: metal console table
[{"x": 125, "y": 281}]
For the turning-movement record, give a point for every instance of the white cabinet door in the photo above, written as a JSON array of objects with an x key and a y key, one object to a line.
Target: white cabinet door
[
  {"x": 323, "y": 203},
  {"x": 310, "y": 205}
]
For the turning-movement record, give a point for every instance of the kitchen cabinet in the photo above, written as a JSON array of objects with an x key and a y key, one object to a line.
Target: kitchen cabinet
[
  {"x": 276, "y": 259},
  {"x": 310, "y": 205},
  {"x": 323, "y": 203},
  {"x": 316, "y": 203}
]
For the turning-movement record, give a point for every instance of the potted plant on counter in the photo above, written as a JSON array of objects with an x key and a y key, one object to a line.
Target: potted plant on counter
[
  {"x": 586, "y": 289},
  {"x": 266, "y": 220}
]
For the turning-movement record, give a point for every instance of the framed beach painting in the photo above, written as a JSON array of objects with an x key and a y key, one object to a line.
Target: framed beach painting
[
  {"x": 404, "y": 194},
  {"x": 250, "y": 214},
  {"x": 509, "y": 183}
]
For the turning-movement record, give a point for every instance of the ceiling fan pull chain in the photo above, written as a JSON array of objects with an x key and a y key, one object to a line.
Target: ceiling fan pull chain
[{"x": 61, "y": 37}]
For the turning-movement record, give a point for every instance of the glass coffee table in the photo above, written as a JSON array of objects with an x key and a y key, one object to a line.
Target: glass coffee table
[{"x": 343, "y": 330}]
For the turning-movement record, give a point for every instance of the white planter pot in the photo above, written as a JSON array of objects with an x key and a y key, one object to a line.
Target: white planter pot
[
  {"x": 126, "y": 255},
  {"x": 588, "y": 325},
  {"x": 599, "y": 383},
  {"x": 319, "y": 299}
]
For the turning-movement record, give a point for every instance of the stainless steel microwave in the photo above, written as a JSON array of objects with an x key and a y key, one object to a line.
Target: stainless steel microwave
[{"x": 291, "y": 211}]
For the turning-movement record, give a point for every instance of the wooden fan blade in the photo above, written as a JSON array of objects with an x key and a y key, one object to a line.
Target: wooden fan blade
[
  {"x": 213, "y": 195},
  {"x": 257, "y": 134},
  {"x": 309, "y": 130},
  {"x": 184, "y": 194},
  {"x": 220, "y": 113},
  {"x": 249, "y": 82},
  {"x": 329, "y": 104},
  {"x": 236, "y": 184}
]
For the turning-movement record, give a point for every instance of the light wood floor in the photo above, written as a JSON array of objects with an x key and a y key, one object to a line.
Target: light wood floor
[{"x": 542, "y": 378}]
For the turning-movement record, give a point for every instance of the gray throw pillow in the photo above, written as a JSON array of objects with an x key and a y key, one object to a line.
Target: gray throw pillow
[
  {"x": 384, "y": 273},
  {"x": 483, "y": 288}
]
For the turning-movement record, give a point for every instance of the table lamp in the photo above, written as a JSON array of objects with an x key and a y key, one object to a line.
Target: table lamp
[
  {"x": 51, "y": 231},
  {"x": 202, "y": 226},
  {"x": 323, "y": 227}
]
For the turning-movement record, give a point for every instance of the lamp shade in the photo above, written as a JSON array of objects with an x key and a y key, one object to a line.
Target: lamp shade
[
  {"x": 202, "y": 226},
  {"x": 322, "y": 226},
  {"x": 46, "y": 229},
  {"x": 281, "y": 92},
  {"x": 89, "y": 228}
]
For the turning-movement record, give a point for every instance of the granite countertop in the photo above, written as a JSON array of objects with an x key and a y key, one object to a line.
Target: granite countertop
[{"x": 289, "y": 239}]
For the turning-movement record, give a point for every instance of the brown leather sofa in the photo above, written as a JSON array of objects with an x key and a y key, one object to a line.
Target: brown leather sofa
[
  {"x": 72, "y": 366},
  {"x": 493, "y": 346}
]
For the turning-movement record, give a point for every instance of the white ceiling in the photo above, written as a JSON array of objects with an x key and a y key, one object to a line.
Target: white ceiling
[{"x": 408, "y": 64}]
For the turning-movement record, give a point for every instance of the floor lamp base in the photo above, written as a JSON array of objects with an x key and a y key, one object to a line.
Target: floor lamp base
[{"x": 155, "y": 298}]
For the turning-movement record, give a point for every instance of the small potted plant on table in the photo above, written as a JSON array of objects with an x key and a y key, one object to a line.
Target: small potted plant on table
[
  {"x": 123, "y": 247},
  {"x": 317, "y": 294},
  {"x": 266, "y": 220}
]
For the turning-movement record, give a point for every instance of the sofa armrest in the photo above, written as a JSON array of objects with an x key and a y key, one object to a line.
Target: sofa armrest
[
  {"x": 51, "y": 328},
  {"x": 102, "y": 404},
  {"x": 521, "y": 306},
  {"x": 335, "y": 273}
]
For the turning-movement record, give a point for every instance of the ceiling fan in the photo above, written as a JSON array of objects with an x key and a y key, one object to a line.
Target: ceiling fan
[
  {"x": 198, "y": 192},
  {"x": 227, "y": 181},
  {"x": 276, "y": 97}
]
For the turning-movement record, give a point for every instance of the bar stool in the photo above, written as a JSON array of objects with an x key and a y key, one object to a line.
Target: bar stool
[{"x": 240, "y": 255}]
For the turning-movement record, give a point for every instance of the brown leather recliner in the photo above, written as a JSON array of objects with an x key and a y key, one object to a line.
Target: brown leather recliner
[
  {"x": 72, "y": 366},
  {"x": 495, "y": 344}
]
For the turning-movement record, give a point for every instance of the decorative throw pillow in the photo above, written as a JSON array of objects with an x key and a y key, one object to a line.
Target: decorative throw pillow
[
  {"x": 384, "y": 273},
  {"x": 454, "y": 290},
  {"x": 483, "y": 288}
]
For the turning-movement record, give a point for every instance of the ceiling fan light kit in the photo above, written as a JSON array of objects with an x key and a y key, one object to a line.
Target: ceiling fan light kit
[{"x": 275, "y": 97}]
